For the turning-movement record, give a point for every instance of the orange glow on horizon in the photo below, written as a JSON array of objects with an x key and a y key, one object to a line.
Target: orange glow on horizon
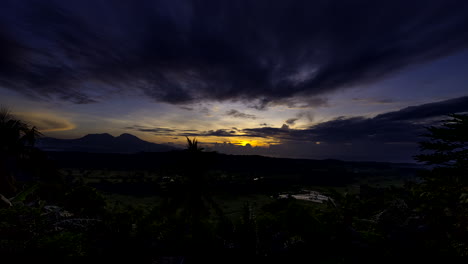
[{"x": 209, "y": 140}]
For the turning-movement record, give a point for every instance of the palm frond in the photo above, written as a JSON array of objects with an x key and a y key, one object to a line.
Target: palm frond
[{"x": 192, "y": 145}]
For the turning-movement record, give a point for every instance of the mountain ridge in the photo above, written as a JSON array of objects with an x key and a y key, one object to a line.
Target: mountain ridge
[{"x": 102, "y": 143}]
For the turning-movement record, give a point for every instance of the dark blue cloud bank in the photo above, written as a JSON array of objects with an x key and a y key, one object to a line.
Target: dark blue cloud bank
[
  {"x": 391, "y": 136},
  {"x": 264, "y": 51}
]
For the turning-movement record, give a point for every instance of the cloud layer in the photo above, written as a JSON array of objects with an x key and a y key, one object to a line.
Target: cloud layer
[{"x": 265, "y": 51}]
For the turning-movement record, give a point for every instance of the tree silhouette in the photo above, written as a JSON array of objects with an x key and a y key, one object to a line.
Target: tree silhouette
[
  {"x": 448, "y": 144},
  {"x": 444, "y": 191},
  {"x": 17, "y": 141},
  {"x": 192, "y": 145},
  {"x": 189, "y": 201}
]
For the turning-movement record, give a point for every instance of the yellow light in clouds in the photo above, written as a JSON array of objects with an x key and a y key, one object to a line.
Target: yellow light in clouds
[
  {"x": 252, "y": 142},
  {"x": 46, "y": 122}
]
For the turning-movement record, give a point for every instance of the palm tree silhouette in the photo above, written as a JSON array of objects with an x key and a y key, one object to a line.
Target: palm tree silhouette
[
  {"x": 192, "y": 199},
  {"x": 192, "y": 145}
]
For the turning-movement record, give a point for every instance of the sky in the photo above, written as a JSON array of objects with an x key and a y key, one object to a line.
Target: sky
[{"x": 352, "y": 80}]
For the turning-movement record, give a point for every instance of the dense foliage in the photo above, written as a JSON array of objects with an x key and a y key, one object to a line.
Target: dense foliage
[{"x": 443, "y": 195}]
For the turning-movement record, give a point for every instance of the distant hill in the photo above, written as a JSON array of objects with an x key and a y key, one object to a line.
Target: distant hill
[{"x": 102, "y": 143}]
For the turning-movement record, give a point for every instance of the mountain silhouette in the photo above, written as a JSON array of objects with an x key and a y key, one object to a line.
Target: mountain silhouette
[{"x": 102, "y": 143}]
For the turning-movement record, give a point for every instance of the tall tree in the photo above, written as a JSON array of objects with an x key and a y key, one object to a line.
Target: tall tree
[{"x": 444, "y": 191}]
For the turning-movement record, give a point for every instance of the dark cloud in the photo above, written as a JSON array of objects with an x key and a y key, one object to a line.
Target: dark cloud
[
  {"x": 291, "y": 121},
  {"x": 237, "y": 114},
  {"x": 307, "y": 114},
  {"x": 373, "y": 101},
  {"x": 456, "y": 105},
  {"x": 220, "y": 133},
  {"x": 213, "y": 133},
  {"x": 265, "y": 52},
  {"x": 185, "y": 132},
  {"x": 196, "y": 107},
  {"x": 404, "y": 125},
  {"x": 363, "y": 129},
  {"x": 186, "y": 108},
  {"x": 153, "y": 130}
]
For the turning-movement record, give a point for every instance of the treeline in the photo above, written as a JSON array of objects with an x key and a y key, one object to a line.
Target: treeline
[{"x": 280, "y": 170}]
